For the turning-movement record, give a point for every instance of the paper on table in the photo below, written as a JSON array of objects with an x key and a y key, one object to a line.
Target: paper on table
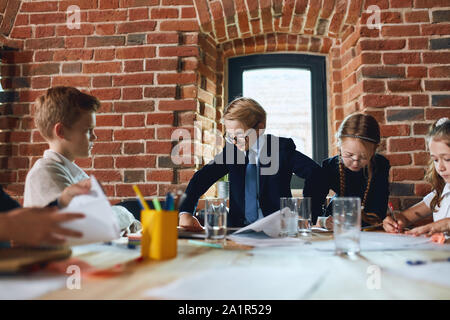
[
  {"x": 260, "y": 239},
  {"x": 371, "y": 241},
  {"x": 270, "y": 225},
  {"x": 243, "y": 282},
  {"x": 29, "y": 287},
  {"x": 99, "y": 224},
  {"x": 435, "y": 272}
]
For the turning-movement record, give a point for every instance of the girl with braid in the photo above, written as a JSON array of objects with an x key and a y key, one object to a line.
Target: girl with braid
[
  {"x": 358, "y": 171},
  {"x": 437, "y": 202}
]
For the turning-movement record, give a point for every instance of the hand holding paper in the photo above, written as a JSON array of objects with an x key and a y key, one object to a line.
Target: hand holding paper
[{"x": 99, "y": 223}]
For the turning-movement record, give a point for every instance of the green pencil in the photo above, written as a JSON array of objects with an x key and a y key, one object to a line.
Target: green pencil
[
  {"x": 206, "y": 244},
  {"x": 156, "y": 204}
]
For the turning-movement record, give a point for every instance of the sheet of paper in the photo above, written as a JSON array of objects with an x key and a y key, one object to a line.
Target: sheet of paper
[
  {"x": 270, "y": 225},
  {"x": 434, "y": 272},
  {"x": 29, "y": 287},
  {"x": 373, "y": 241},
  {"x": 99, "y": 224},
  {"x": 243, "y": 282},
  {"x": 260, "y": 239}
]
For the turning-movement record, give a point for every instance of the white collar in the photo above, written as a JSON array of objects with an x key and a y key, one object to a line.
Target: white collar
[
  {"x": 70, "y": 165},
  {"x": 446, "y": 189},
  {"x": 259, "y": 144}
]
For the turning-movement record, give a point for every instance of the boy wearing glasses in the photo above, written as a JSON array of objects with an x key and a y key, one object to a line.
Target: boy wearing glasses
[{"x": 259, "y": 169}]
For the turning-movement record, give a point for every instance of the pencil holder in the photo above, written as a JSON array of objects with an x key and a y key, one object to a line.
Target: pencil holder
[{"x": 159, "y": 234}]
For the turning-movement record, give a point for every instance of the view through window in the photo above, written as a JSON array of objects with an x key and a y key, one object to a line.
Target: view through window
[{"x": 285, "y": 94}]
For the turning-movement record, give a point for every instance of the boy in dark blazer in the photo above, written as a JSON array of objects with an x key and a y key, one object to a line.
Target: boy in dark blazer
[{"x": 259, "y": 169}]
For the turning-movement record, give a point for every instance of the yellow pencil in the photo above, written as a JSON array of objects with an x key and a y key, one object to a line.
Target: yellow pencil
[{"x": 140, "y": 197}]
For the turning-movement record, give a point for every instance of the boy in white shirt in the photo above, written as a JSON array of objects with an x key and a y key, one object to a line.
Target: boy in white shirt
[
  {"x": 437, "y": 202},
  {"x": 65, "y": 118}
]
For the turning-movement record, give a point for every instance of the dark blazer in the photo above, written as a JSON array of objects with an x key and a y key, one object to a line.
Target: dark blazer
[
  {"x": 6, "y": 202},
  {"x": 272, "y": 186},
  {"x": 356, "y": 183}
]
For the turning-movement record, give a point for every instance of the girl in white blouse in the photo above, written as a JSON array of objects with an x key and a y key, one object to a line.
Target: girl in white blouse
[{"x": 437, "y": 202}]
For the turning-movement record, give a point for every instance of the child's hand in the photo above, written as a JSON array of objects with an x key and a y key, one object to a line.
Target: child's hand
[
  {"x": 36, "y": 226},
  {"x": 189, "y": 222},
  {"x": 82, "y": 187},
  {"x": 428, "y": 229},
  {"x": 392, "y": 226}
]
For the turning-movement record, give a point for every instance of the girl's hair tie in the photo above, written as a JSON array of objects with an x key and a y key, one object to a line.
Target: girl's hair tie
[{"x": 441, "y": 121}]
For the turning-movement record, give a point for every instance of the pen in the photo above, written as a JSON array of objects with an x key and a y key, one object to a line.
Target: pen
[
  {"x": 391, "y": 211},
  {"x": 141, "y": 198},
  {"x": 156, "y": 204},
  {"x": 420, "y": 262},
  {"x": 206, "y": 244},
  {"x": 169, "y": 203}
]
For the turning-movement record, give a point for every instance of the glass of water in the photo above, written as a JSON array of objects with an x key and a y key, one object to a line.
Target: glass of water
[
  {"x": 304, "y": 216},
  {"x": 288, "y": 214},
  {"x": 215, "y": 219},
  {"x": 347, "y": 225}
]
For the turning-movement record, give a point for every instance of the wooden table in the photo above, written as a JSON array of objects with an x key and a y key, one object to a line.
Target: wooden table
[{"x": 346, "y": 279}]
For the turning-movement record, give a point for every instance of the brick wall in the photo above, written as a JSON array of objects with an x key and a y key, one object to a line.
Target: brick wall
[{"x": 160, "y": 65}]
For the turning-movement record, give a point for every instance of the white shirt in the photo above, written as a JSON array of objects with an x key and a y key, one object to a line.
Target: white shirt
[
  {"x": 444, "y": 208},
  {"x": 51, "y": 174}
]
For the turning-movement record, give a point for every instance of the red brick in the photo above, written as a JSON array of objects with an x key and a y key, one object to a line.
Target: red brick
[
  {"x": 134, "y": 106},
  {"x": 102, "y": 67},
  {"x": 400, "y": 31},
  {"x": 105, "y": 29},
  {"x": 134, "y": 134},
  {"x": 440, "y": 72},
  {"x": 47, "y": 18},
  {"x": 138, "y": 14},
  {"x": 160, "y": 175},
  {"x": 161, "y": 64},
  {"x": 134, "y": 120},
  {"x": 71, "y": 81},
  {"x": 404, "y": 85},
  {"x": 73, "y": 55},
  {"x": 133, "y": 79},
  {"x": 147, "y": 190},
  {"x": 437, "y": 85},
  {"x": 135, "y": 52},
  {"x": 417, "y": 16},
  {"x": 401, "y": 58},
  {"x": 104, "y": 54},
  {"x": 400, "y": 174},
  {"x": 179, "y": 78},
  {"x": 422, "y": 189},
  {"x": 133, "y": 148},
  {"x": 436, "y": 113},
  {"x": 106, "y": 94},
  {"x": 159, "y": 147},
  {"x": 181, "y": 25},
  {"x": 133, "y": 27},
  {"x": 135, "y": 161},
  {"x": 421, "y": 158},
  {"x": 401, "y": 159},
  {"x": 368, "y": 44},
  {"x": 160, "y": 92},
  {"x": 419, "y": 100},
  {"x": 103, "y": 162},
  {"x": 21, "y": 32},
  {"x": 162, "y": 37},
  {"x": 417, "y": 72},
  {"x": 383, "y": 72},
  {"x": 372, "y": 100},
  {"x": 102, "y": 81},
  {"x": 406, "y": 144},
  {"x": 180, "y": 51},
  {"x": 107, "y": 15},
  {"x": 109, "y": 120},
  {"x": 436, "y": 57},
  {"x": 137, "y": 3},
  {"x": 160, "y": 118},
  {"x": 436, "y": 29},
  {"x": 106, "y": 148},
  {"x": 395, "y": 130},
  {"x": 177, "y": 105},
  {"x": 44, "y": 43},
  {"x": 132, "y": 93},
  {"x": 373, "y": 86},
  {"x": 164, "y": 13}
]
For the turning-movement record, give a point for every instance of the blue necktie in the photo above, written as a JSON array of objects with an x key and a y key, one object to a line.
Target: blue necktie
[{"x": 251, "y": 192}]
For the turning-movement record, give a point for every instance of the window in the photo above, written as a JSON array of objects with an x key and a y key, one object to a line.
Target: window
[{"x": 292, "y": 90}]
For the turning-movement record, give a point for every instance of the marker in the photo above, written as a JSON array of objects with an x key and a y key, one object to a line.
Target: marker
[
  {"x": 169, "y": 204},
  {"x": 420, "y": 262},
  {"x": 156, "y": 204},
  {"x": 206, "y": 244},
  {"x": 141, "y": 198}
]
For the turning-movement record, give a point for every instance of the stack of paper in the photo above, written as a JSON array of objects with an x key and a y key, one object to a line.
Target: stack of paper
[{"x": 99, "y": 224}]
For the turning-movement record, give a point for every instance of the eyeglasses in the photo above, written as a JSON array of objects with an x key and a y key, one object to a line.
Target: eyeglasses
[
  {"x": 353, "y": 157},
  {"x": 239, "y": 139}
]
